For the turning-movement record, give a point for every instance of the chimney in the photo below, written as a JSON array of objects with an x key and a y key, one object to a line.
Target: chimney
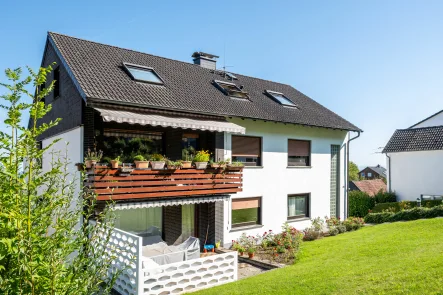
[{"x": 205, "y": 60}]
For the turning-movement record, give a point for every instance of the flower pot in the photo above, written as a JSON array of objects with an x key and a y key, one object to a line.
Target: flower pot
[
  {"x": 201, "y": 165},
  {"x": 80, "y": 166},
  {"x": 251, "y": 255},
  {"x": 241, "y": 253},
  {"x": 186, "y": 164},
  {"x": 158, "y": 165},
  {"x": 173, "y": 167},
  {"x": 141, "y": 164},
  {"x": 235, "y": 168},
  {"x": 114, "y": 164},
  {"x": 215, "y": 165},
  {"x": 90, "y": 163}
]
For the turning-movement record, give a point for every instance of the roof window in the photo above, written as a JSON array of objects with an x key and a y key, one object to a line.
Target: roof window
[
  {"x": 281, "y": 98},
  {"x": 143, "y": 74},
  {"x": 231, "y": 89}
]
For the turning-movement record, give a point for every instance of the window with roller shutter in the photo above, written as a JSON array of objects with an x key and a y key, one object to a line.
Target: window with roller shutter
[
  {"x": 246, "y": 149},
  {"x": 299, "y": 152},
  {"x": 246, "y": 212}
]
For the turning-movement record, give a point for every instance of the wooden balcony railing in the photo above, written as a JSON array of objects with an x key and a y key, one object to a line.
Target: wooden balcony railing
[{"x": 143, "y": 184}]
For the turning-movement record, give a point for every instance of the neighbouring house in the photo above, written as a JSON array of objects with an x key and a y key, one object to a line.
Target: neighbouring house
[
  {"x": 125, "y": 103},
  {"x": 375, "y": 172},
  {"x": 415, "y": 160},
  {"x": 371, "y": 187}
]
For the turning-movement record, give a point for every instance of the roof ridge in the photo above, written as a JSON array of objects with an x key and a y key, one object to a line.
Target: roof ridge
[
  {"x": 167, "y": 58},
  {"x": 419, "y": 128}
]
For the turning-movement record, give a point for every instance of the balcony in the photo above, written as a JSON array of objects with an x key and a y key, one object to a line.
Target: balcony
[{"x": 138, "y": 184}]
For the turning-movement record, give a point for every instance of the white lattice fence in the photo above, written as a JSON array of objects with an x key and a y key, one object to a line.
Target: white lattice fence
[
  {"x": 129, "y": 258},
  {"x": 176, "y": 278}
]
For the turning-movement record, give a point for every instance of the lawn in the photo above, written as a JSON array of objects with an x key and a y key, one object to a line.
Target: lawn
[{"x": 397, "y": 258}]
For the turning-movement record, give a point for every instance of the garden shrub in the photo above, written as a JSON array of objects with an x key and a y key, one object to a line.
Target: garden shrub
[
  {"x": 353, "y": 223},
  {"x": 335, "y": 226},
  {"x": 385, "y": 197},
  {"x": 398, "y": 206},
  {"x": 314, "y": 231},
  {"x": 360, "y": 203},
  {"x": 405, "y": 215}
]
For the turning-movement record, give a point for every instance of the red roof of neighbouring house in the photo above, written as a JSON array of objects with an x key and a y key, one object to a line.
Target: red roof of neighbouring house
[{"x": 370, "y": 187}]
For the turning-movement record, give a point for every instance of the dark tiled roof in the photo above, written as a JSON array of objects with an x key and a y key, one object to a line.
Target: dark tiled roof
[
  {"x": 379, "y": 170},
  {"x": 371, "y": 187},
  {"x": 416, "y": 139},
  {"x": 99, "y": 72}
]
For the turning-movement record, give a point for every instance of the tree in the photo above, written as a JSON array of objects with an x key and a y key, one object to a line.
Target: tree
[
  {"x": 44, "y": 248},
  {"x": 353, "y": 171}
]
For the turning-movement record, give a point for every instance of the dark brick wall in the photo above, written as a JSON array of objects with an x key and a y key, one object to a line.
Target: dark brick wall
[
  {"x": 172, "y": 223},
  {"x": 206, "y": 216},
  {"x": 68, "y": 106}
]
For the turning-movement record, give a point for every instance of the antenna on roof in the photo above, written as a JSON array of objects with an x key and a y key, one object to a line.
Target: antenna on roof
[{"x": 223, "y": 71}]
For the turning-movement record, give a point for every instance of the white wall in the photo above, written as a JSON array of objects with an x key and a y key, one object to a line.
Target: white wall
[
  {"x": 437, "y": 120},
  {"x": 275, "y": 181},
  {"x": 416, "y": 173},
  {"x": 72, "y": 142}
]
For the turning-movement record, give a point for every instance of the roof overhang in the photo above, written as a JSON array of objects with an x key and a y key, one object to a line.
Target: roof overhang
[{"x": 124, "y": 116}]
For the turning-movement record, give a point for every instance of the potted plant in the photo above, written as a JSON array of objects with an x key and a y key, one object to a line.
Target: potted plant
[
  {"x": 241, "y": 250},
  {"x": 115, "y": 163},
  {"x": 173, "y": 165},
  {"x": 92, "y": 157},
  {"x": 236, "y": 165},
  {"x": 201, "y": 159},
  {"x": 251, "y": 251},
  {"x": 140, "y": 162},
  {"x": 80, "y": 166},
  {"x": 157, "y": 161},
  {"x": 219, "y": 164},
  {"x": 217, "y": 244},
  {"x": 186, "y": 163}
]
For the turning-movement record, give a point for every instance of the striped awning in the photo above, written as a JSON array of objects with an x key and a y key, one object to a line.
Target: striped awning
[
  {"x": 170, "y": 202},
  {"x": 123, "y": 116}
]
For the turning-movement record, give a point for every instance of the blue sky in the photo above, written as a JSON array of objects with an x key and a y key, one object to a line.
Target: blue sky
[{"x": 379, "y": 64}]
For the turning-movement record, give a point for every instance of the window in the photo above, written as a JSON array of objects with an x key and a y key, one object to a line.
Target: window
[
  {"x": 190, "y": 143},
  {"x": 128, "y": 143},
  {"x": 145, "y": 222},
  {"x": 280, "y": 98},
  {"x": 362, "y": 174},
  {"x": 246, "y": 212},
  {"x": 246, "y": 149},
  {"x": 369, "y": 174},
  {"x": 298, "y": 206},
  {"x": 231, "y": 89},
  {"x": 56, "y": 78},
  {"x": 231, "y": 76},
  {"x": 299, "y": 152},
  {"x": 143, "y": 74}
]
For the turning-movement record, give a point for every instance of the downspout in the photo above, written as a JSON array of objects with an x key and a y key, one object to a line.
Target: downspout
[
  {"x": 389, "y": 173},
  {"x": 347, "y": 171}
]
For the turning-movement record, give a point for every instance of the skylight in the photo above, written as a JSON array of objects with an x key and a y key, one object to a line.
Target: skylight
[
  {"x": 231, "y": 76},
  {"x": 281, "y": 98},
  {"x": 231, "y": 89},
  {"x": 143, "y": 74}
]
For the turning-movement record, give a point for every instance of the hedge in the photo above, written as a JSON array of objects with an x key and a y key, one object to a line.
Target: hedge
[
  {"x": 360, "y": 203},
  {"x": 405, "y": 215},
  {"x": 385, "y": 197},
  {"x": 398, "y": 206}
]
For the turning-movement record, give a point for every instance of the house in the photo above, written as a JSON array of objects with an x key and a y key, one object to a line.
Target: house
[
  {"x": 124, "y": 102},
  {"x": 371, "y": 187},
  {"x": 415, "y": 160},
  {"x": 375, "y": 172}
]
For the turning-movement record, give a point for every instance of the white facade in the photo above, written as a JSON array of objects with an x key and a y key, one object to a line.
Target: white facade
[
  {"x": 274, "y": 181},
  {"x": 69, "y": 148},
  {"x": 415, "y": 173},
  {"x": 436, "y": 120}
]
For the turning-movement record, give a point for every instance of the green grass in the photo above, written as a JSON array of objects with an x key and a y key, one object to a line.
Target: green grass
[{"x": 396, "y": 258}]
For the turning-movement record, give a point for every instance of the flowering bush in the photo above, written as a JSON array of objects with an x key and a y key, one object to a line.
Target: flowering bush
[
  {"x": 315, "y": 231},
  {"x": 353, "y": 223},
  {"x": 335, "y": 226}
]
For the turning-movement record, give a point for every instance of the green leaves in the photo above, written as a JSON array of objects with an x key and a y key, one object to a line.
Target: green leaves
[{"x": 44, "y": 249}]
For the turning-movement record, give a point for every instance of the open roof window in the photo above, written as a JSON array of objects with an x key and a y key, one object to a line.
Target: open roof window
[
  {"x": 143, "y": 74},
  {"x": 230, "y": 89},
  {"x": 281, "y": 98}
]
